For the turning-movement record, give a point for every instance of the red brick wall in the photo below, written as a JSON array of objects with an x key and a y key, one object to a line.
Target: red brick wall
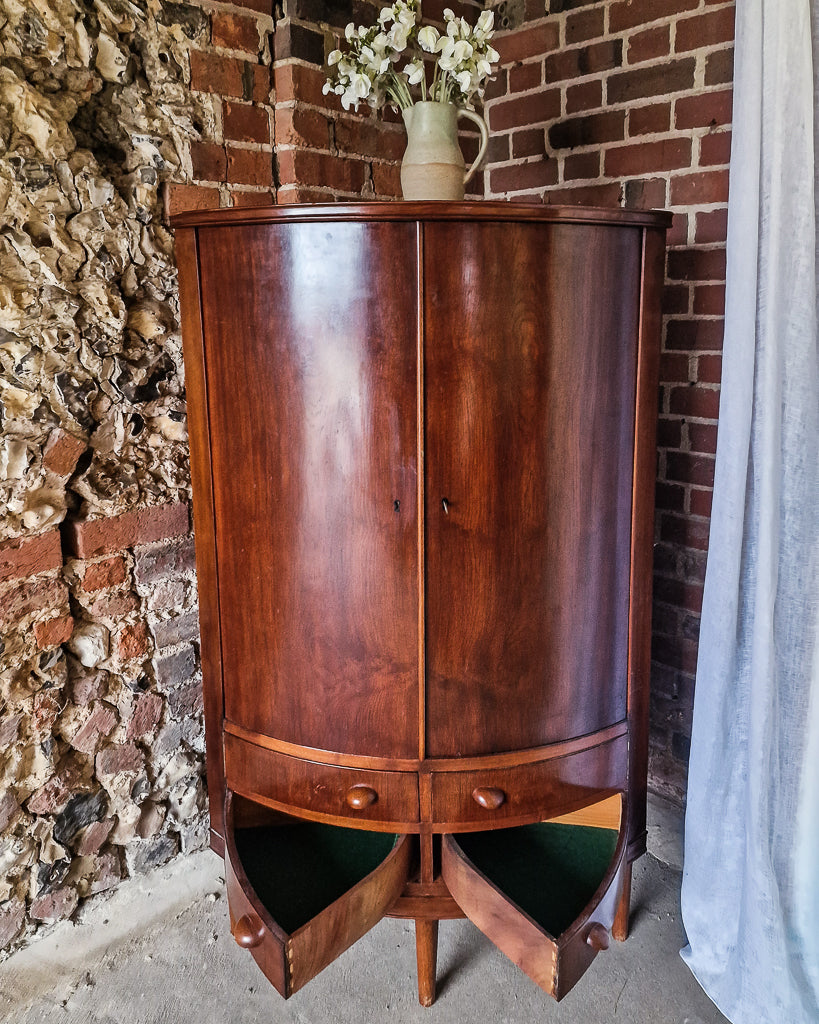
[{"x": 628, "y": 102}]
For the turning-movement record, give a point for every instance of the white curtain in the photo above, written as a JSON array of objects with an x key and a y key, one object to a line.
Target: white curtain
[{"x": 750, "y": 895}]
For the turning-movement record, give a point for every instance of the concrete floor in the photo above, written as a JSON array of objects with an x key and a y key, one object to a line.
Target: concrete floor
[{"x": 158, "y": 951}]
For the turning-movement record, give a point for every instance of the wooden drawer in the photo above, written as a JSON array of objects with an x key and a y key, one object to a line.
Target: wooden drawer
[
  {"x": 546, "y": 894},
  {"x": 385, "y": 801},
  {"x": 500, "y": 797},
  {"x": 300, "y": 893}
]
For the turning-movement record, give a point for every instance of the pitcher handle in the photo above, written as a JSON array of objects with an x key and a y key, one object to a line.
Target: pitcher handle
[{"x": 479, "y": 121}]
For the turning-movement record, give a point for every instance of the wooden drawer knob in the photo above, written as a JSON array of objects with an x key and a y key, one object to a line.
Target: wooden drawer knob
[
  {"x": 488, "y": 797},
  {"x": 597, "y": 937},
  {"x": 248, "y": 931},
  {"x": 360, "y": 797}
]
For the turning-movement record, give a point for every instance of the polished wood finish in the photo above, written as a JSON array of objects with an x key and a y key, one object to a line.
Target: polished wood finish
[
  {"x": 621, "y": 920},
  {"x": 422, "y": 451},
  {"x": 426, "y": 952}
]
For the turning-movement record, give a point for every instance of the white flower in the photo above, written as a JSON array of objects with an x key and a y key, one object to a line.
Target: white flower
[
  {"x": 398, "y": 36},
  {"x": 454, "y": 53},
  {"x": 485, "y": 23},
  {"x": 492, "y": 54},
  {"x": 415, "y": 71},
  {"x": 428, "y": 38},
  {"x": 333, "y": 57}
]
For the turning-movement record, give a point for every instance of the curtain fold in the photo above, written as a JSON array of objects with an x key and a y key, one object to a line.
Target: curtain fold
[{"x": 750, "y": 896}]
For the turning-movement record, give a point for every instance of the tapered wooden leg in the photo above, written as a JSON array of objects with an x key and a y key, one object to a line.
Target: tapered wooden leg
[
  {"x": 426, "y": 950},
  {"x": 620, "y": 927}
]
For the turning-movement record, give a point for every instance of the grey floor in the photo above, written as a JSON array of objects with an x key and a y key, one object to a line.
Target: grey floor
[{"x": 158, "y": 951}]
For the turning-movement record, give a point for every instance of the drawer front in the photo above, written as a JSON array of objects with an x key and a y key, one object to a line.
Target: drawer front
[
  {"x": 495, "y": 798},
  {"x": 385, "y": 800}
]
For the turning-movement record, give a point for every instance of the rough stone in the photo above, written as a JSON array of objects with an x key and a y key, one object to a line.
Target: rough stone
[
  {"x": 55, "y": 906},
  {"x": 120, "y": 757},
  {"x": 174, "y": 670},
  {"x": 146, "y": 716},
  {"x": 143, "y": 856},
  {"x": 186, "y": 700},
  {"x": 92, "y": 838},
  {"x": 80, "y": 811},
  {"x": 85, "y": 687},
  {"x": 55, "y": 794},
  {"x": 161, "y": 561},
  {"x": 90, "y": 642},
  {"x": 32, "y": 596},
  {"x": 108, "y": 872},
  {"x": 9, "y": 810},
  {"x": 12, "y": 915},
  {"x": 51, "y": 875}
]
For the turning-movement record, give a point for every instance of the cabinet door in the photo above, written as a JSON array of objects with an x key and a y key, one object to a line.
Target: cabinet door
[
  {"x": 300, "y": 893},
  {"x": 545, "y": 894},
  {"x": 311, "y": 359},
  {"x": 529, "y": 367}
]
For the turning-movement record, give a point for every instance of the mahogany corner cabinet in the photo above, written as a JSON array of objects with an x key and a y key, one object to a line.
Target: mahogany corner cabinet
[{"x": 423, "y": 451}]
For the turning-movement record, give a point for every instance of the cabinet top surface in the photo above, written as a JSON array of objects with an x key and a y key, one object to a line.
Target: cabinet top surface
[{"x": 423, "y": 211}]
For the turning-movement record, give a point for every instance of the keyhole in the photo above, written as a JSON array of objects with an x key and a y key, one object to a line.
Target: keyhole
[
  {"x": 396, "y": 505},
  {"x": 445, "y": 506}
]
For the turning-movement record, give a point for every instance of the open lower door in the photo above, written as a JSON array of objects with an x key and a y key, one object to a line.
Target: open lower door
[
  {"x": 545, "y": 894},
  {"x": 300, "y": 893}
]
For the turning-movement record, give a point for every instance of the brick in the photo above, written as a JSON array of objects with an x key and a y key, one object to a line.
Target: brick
[
  {"x": 99, "y": 724},
  {"x": 235, "y": 32},
  {"x": 52, "y": 797},
  {"x": 678, "y": 232},
  {"x": 182, "y": 198},
  {"x": 159, "y": 562},
  {"x": 356, "y": 136},
  {"x": 291, "y": 40},
  {"x": 498, "y": 151},
  {"x": 631, "y": 13},
  {"x": 582, "y": 25},
  {"x": 659, "y": 80},
  {"x": 92, "y": 837},
  {"x": 701, "y": 501},
  {"x": 299, "y": 82},
  {"x": 166, "y": 596},
  {"x": 12, "y": 916},
  {"x": 27, "y": 556},
  {"x": 497, "y": 86},
  {"x": 184, "y": 627},
  {"x": 133, "y": 641},
  {"x": 711, "y": 226},
  {"x": 670, "y": 497},
  {"x": 690, "y": 469},
  {"x": 145, "y": 720},
  {"x": 699, "y": 188},
  {"x": 675, "y": 300},
  {"x": 213, "y": 73},
  {"x": 120, "y": 757},
  {"x": 649, "y": 45},
  {"x": 709, "y": 300},
  {"x": 691, "y": 400},
  {"x": 9, "y": 810},
  {"x": 525, "y": 77},
  {"x": 87, "y": 686},
  {"x": 696, "y": 265},
  {"x": 246, "y": 198},
  {"x": 695, "y": 334},
  {"x": 705, "y": 29},
  {"x": 678, "y": 653},
  {"x": 709, "y": 369},
  {"x": 61, "y": 452},
  {"x": 242, "y": 122},
  {"x": 607, "y": 194},
  {"x": 336, "y": 12},
  {"x": 174, "y": 670},
  {"x": 256, "y": 83},
  {"x": 647, "y": 157},
  {"x": 586, "y": 96},
  {"x": 386, "y": 179},
  {"x": 644, "y": 193},
  {"x": 529, "y": 142},
  {"x": 719, "y": 67},
  {"x": 519, "y": 177},
  {"x": 582, "y": 165},
  {"x": 527, "y": 42},
  {"x": 585, "y": 60},
  {"x": 32, "y": 596},
  {"x": 53, "y": 632},
  {"x": 307, "y": 168},
  {"x": 249, "y": 166},
  {"x": 706, "y": 110},
  {"x": 116, "y": 533},
  {"x": 260, "y": 6},
  {"x": 588, "y": 131},
  {"x": 55, "y": 906},
  {"x": 108, "y": 871},
  {"x": 674, "y": 366},
  {"x": 669, "y": 433},
  {"x": 715, "y": 148},
  {"x": 654, "y": 117},
  {"x": 525, "y": 110},
  {"x": 703, "y": 437},
  {"x": 187, "y": 700},
  {"x": 209, "y": 161},
  {"x": 107, "y": 573},
  {"x": 113, "y": 606}
]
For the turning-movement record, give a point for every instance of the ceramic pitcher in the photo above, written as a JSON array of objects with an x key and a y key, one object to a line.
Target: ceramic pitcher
[{"x": 433, "y": 165}]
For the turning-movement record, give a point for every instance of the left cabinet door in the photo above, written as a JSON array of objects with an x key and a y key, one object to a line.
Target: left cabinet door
[
  {"x": 311, "y": 352},
  {"x": 301, "y": 893}
]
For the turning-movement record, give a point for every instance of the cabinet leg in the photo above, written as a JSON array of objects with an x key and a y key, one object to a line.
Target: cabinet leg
[
  {"x": 426, "y": 951},
  {"x": 620, "y": 927}
]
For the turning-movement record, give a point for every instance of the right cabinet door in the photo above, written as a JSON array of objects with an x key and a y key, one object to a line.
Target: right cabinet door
[{"x": 530, "y": 338}]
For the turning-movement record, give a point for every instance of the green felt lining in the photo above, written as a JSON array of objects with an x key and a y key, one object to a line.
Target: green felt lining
[
  {"x": 297, "y": 870},
  {"x": 549, "y": 870}
]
